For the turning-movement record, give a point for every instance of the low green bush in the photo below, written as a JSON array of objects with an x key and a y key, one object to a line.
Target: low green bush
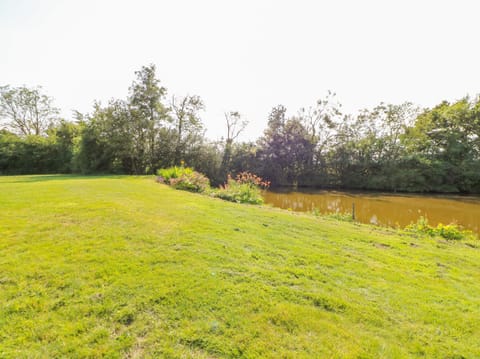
[
  {"x": 244, "y": 188},
  {"x": 240, "y": 193},
  {"x": 193, "y": 182},
  {"x": 173, "y": 172},
  {"x": 447, "y": 231},
  {"x": 184, "y": 178}
]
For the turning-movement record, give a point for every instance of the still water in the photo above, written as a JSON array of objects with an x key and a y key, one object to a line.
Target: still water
[{"x": 384, "y": 209}]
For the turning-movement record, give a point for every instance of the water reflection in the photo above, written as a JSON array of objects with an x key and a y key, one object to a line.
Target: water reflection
[{"x": 384, "y": 209}]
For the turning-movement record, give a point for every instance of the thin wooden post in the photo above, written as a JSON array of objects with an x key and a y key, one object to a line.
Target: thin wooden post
[{"x": 353, "y": 210}]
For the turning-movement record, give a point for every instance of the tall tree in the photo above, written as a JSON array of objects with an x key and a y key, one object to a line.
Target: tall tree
[
  {"x": 147, "y": 112},
  {"x": 444, "y": 140},
  {"x": 323, "y": 121},
  {"x": 107, "y": 144},
  {"x": 320, "y": 119},
  {"x": 185, "y": 114},
  {"x": 286, "y": 149},
  {"x": 235, "y": 126},
  {"x": 27, "y": 111}
]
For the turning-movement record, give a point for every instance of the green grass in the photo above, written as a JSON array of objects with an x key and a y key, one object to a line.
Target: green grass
[{"x": 126, "y": 267}]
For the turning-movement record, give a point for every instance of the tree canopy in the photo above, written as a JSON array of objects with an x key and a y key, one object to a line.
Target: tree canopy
[{"x": 393, "y": 147}]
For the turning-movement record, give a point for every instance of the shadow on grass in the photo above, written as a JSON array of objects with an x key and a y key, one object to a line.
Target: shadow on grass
[{"x": 58, "y": 177}]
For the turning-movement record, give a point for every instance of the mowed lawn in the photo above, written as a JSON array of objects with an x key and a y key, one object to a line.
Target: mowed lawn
[{"x": 125, "y": 267}]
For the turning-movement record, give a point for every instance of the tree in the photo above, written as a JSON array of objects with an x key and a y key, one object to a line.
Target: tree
[
  {"x": 235, "y": 126},
  {"x": 107, "y": 144},
  {"x": 270, "y": 145},
  {"x": 147, "y": 113},
  {"x": 187, "y": 123},
  {"x": 285, "y": 149},
  {"x": 66, "y": 136},
  {"x": 444, "y": 140},
  {"x": 323, "y": 122},
  {"x": 27, "y": 111},
  {"x": 321, "y": 118}
]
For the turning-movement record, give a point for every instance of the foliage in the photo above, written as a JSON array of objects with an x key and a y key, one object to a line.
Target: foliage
[
  {"x": 340, "y": 216},
  {"x": 174, "y": 172},
  {"x": 27, "y": 111},
  {"x": 449, "y": 231},
  {"x": 245, "y": 188},
  {"x": 452, "y": 231},
  {"x": 187, "y": 124},
  {"x": 147, "y": 112},
  {"x": 252, "y": 180},
  {"x": 38, "y": 154},
  {"x": 184, "y": 178},
  {"x": 388, "y": 147},
  {"x": 285, "y": 149},
  {"x": 142, "y": 133},
  {"x": 118, "y": 266},
  {"x": 193, "y": 182},
  {"x": 235, "y": 125}
]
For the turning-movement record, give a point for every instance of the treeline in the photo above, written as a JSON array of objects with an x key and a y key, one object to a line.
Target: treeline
[{"x": 389, "y": 147}]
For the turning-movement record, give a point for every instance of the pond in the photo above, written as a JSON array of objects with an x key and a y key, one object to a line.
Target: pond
[{"x": 383, "y": 209}]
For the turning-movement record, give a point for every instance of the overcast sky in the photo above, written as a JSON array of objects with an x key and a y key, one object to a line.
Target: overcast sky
[{"x": 244, "y": 55}]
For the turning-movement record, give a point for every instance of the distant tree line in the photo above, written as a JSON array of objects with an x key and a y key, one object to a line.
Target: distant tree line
[{"x": 390, "y": 147}]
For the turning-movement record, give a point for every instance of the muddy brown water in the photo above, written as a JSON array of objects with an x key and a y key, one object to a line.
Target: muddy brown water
[{"x": 383, "y": 209}]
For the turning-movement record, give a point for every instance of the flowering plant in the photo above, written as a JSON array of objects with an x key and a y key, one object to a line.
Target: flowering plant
[{"x": 244, "y": 188}]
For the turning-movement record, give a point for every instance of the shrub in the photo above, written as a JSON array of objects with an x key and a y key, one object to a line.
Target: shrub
[
  {"x": 173, "y": 172},
  {"x": 193, "y": 182},
  {"x": 184, "y": 178},
  {"x": 449, "y": 231},
  {"x": 245, "y": 188},
  {"x": 240, "y": 193},
  {"x": 421, "y": 226},
  {"x": 251, "y": 179}
]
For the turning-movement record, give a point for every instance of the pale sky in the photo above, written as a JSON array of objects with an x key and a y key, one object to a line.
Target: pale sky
[{"x": 244, "y": 55}]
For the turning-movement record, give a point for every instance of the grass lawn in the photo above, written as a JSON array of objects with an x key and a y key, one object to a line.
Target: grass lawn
[{"x": 126, "y": 267}]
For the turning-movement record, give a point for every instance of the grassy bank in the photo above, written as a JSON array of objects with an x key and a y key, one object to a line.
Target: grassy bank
[{"x": 126, "y": 267}]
